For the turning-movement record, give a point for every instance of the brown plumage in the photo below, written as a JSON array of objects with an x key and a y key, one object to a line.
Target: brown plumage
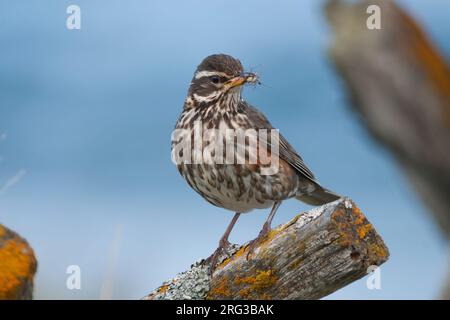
[{"x": 214, "y": 102}]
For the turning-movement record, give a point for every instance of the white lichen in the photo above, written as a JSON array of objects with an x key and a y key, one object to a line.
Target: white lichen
[
  {"x": 314, "y": 213},
  {"x": 192, "y": 284},
  {"x": 348, "y": 204}
]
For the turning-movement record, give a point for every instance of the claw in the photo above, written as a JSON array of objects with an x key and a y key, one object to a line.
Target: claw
[
  {"x": 262, "y": 236},
  {"x": 214, "y": 258}
]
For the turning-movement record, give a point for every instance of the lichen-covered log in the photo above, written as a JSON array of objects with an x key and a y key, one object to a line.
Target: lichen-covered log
[
  {"x": 400, "y": 85},
  {"x": 313, "y": 255},
  {"x": 17, "y": 266}
]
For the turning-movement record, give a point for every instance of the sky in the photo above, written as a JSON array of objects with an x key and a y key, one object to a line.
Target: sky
[{"x": 86, "y": 118}]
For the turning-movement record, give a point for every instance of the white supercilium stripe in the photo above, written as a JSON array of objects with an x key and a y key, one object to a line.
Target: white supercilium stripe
[{"x": 201, "y": 74}]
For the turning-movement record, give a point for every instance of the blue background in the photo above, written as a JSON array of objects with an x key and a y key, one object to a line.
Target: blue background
[{"x": 88, "y": 114}]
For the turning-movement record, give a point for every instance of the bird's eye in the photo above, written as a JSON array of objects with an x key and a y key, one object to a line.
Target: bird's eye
[{"x": 215, "y": 79}]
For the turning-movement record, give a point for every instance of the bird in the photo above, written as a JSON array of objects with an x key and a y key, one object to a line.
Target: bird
[{"x": 214, "y": 103}]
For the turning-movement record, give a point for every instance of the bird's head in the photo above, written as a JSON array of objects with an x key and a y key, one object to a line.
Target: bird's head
[{"x": 218, "y": 76}]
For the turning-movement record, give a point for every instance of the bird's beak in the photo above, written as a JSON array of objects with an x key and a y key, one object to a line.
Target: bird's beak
[
  {"x": 241, "y": 79},
  {"x": 236, "y": 81}
]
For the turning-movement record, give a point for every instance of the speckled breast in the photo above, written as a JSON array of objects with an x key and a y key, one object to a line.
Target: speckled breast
[{"x": 241, "y": 186}]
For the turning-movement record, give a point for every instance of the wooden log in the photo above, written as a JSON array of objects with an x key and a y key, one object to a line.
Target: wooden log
[
  {"x": 17, "y": 266},
  {"x": 399, "y": 84},
  {"x": 311, "y": 256}
]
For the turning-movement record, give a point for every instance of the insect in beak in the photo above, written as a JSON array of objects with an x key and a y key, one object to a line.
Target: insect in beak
[{"x": 246, "y": 77}]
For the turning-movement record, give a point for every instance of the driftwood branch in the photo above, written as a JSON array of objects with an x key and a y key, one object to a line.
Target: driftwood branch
[
  {"x": 400, "y": 85},
  {"x": 313, "y": 255}
]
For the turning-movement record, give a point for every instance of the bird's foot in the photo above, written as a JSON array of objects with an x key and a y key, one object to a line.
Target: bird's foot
[
  {"x": 255, "y": 242},
  {"x": 213, "y": 259}
]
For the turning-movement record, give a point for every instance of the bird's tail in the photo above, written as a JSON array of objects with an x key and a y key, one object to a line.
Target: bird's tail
[{"x": 319, "y": 196}]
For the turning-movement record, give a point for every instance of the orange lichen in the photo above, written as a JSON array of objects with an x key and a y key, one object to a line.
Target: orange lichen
[
  {"x": 359, "y": 216},
  {"x": 220, "y": 289},
  {"x": 263, "y": 242},
  {"x": 244, "y": 250},
  {"x": 256, "y": 286},
  {"x": 353, "y": 227},
  {"x": 355, "y": 231},
  {"x": 378, "y": 250},
  {"x": 345, "y": 235},
  {"x": 363, "y": 230},
  {"x": 163, "y": 288},
  {"x": 362, "y": 226},
  {"x": 17, "y": 266},
  {"x": 235, "y": 256},
  {"x": 428, "y": 56}
]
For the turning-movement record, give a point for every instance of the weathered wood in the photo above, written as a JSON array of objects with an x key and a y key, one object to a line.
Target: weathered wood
[
  {"x": 17, "y": 266},
  {"x": 400, "y": 85},
  {"x": 313, "y": 255}
]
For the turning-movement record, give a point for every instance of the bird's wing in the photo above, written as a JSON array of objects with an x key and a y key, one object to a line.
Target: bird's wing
[{"x": 286, "y": 151}]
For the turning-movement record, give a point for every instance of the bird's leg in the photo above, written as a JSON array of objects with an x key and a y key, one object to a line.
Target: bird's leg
[
  {"x": 265, "y": 229},
  {"x": 223, "y": 244}
]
